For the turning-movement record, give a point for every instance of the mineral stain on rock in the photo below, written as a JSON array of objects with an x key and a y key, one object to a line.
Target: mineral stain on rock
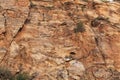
[{"x": 61, "y": 39}]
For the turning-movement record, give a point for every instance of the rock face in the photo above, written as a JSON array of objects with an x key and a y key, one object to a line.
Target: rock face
[{"x": 61, "y": 39}]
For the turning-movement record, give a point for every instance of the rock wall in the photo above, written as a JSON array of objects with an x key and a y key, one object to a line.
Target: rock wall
[{"x": 61, "y": 39}]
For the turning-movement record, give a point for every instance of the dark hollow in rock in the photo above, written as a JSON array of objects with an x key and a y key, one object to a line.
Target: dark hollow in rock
[{"x": 72, "y": 53}]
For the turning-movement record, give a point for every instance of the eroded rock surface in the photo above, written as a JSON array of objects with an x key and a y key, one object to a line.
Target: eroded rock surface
[{"x": 61, "y": 39}]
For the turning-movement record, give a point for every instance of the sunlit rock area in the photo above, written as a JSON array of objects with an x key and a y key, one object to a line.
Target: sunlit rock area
[{"x": 59, "y": 40}]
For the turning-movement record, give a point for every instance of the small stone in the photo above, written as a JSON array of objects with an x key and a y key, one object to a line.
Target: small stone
[
  {"x": 68, "y": 58},
  {"x": 76, "y": 67}
]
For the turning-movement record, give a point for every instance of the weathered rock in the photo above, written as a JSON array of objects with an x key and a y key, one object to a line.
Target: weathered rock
[
  {"x": 43, "y": 37},
  {"x": 76, "y": 68},
  {"x": 101, "y": 73}
]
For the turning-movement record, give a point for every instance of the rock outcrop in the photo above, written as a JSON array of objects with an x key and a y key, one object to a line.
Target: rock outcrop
[{"x": 61, "y": 39}]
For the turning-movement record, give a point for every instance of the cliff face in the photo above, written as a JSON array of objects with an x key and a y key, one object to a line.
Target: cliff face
[{"x": 61, "y": 39}]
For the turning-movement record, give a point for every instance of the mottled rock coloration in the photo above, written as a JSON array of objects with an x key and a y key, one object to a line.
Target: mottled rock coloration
[{"x": 61, "y": 39}]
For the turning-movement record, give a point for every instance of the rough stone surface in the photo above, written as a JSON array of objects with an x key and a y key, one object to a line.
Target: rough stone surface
[{"x": 61, "y": 39}]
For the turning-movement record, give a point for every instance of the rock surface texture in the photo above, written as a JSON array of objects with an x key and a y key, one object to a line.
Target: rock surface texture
[{"x": 61, "y": 39}]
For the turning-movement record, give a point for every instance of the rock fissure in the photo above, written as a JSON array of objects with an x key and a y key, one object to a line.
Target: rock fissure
[{"x": 61, "y": 39}]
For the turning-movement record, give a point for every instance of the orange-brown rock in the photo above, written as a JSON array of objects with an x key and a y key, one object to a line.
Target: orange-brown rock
[{"x": 61, "y": 39}]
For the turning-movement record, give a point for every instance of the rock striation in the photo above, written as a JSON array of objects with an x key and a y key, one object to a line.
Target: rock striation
[{"x": 61, "y": 39}]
